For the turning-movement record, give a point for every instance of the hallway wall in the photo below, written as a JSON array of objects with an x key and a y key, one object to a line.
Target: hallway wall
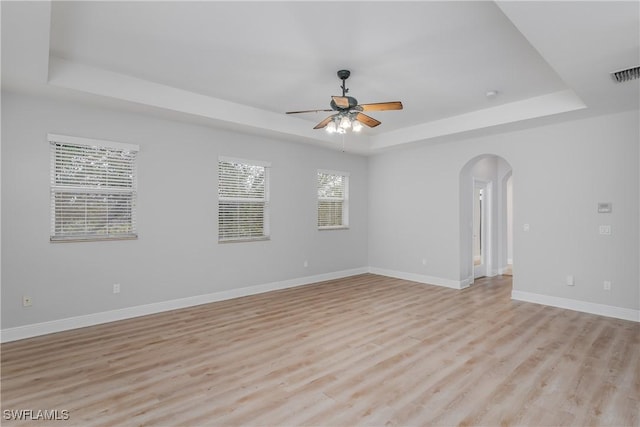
[{"x": 560, "y": 172}]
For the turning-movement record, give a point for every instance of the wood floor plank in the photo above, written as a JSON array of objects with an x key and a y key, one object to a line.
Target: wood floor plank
[{"x": 365, "y": 350}]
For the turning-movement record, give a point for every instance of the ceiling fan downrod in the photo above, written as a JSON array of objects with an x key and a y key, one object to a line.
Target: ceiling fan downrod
[{"x": 344, "y": 75}]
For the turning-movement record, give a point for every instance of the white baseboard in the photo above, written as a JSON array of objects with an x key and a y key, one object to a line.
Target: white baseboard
[
  {"x": 583, "y": 306},
  {"x": 421, "y": 278},
  {"x": 465, "y": 283},
  {"x": 37, "y": 329}
]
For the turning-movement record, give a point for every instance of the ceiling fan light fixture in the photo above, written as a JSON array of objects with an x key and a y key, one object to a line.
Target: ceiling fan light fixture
[
  {"x": 348, "y": 113},
  {"x": 345, "y": 123}
]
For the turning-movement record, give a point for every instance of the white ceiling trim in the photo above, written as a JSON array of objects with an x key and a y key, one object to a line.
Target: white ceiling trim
[
  {"x": 539, "y": 106},
  {"x": 97, "y": 81}
]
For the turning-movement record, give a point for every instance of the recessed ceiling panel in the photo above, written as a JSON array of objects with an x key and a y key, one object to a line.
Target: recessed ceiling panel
[{"x": 438, "y": 58}]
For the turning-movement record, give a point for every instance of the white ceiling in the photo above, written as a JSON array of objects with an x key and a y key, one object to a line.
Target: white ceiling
[{"x": 242, "y": 65}]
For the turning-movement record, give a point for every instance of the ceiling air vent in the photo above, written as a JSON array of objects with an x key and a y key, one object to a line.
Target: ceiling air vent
[{"x": 626, "y": 75}]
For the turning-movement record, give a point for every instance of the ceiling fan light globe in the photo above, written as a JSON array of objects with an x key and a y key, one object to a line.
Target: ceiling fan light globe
[
  {"x": 345, "y": 123},
  {"x": 356, "y": 126},
  {"x": 331, "y": 127}
]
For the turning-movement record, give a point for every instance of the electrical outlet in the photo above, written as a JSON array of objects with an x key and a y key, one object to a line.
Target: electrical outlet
[
  {"x": 27, "y": 301},
  {"x": 424, "y": 261},
  {"x": 305, "y": 264},
  {"x": 571, "y": 281},
  {"x": 605, "y": 229},
  {"x": 116, "y": 288},
  {"x": 607, "y": 285}
]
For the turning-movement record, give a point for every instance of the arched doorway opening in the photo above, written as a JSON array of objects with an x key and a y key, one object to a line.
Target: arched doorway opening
[{"x": 486, "y": 202}]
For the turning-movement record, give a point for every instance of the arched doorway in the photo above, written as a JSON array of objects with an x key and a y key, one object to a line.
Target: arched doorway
[{"x": 485, "y": 211}]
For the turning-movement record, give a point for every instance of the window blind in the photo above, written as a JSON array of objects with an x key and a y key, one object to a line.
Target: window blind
[
  {"x": 243, "y": 202},
  {"x": 332, "y": 199},
  {"x": 93, "y": 189}
]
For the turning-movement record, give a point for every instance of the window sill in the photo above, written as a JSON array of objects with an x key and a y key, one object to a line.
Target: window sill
[
  {"x": 337, "y": 227},
  {"x": 89, "y": 239},
  {"x": 251, "y": 239}
]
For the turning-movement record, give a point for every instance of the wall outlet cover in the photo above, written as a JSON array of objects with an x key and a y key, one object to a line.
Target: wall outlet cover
[{"x": 605, "y": 229}]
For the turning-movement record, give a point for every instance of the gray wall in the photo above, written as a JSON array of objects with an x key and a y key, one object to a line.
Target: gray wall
[
  {"x": 177, "y": 254},
  {"x": 405, "y": 207},
  {"x": 560, "y": 173}
]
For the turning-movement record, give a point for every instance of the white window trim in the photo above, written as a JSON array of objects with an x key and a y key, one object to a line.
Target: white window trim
[
  {"x": 267, "y": 197},
  {"x": 345, "y": 200},
  {"x": 244, "y": 161},
  {"x": 90, "y": 142}
]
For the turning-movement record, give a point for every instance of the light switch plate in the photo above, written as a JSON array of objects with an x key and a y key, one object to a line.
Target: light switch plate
[{"x": 604, "y": 207}]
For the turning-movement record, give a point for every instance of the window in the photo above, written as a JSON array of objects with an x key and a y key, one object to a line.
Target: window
[
  {"x": 333, "y": 199},
  {"x": 243, "y": 200},
  {"x": 93, "y": 189}
]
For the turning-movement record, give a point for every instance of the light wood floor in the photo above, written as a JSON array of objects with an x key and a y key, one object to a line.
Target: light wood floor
[{"x": 366, "y": 350}]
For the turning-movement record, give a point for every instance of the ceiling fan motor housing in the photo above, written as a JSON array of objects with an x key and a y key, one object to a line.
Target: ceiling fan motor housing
[{"x": 352, "y": 103}]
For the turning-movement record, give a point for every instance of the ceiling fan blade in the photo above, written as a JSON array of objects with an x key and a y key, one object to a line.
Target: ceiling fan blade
[
  {"x": 369, "y": 121},
  {"x": 305, "y": 111},
  {"x": 382, "y": 106},
  {"x": 341, "y": 101},
  {"x": 324, "y": 122}
]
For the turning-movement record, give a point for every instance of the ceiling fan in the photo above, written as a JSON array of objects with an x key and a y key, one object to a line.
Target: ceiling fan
[{"x": 348, "y": 111}]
